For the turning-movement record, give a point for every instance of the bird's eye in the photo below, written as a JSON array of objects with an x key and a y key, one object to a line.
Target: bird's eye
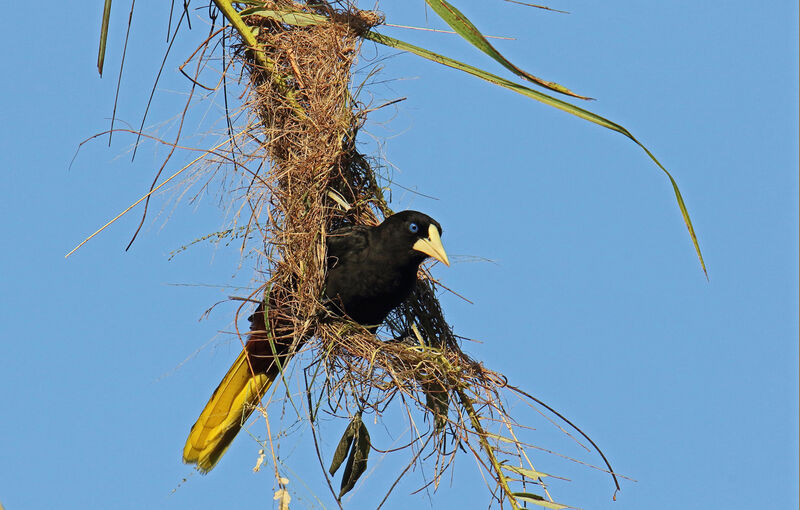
[{"x": 413, "y": 228}]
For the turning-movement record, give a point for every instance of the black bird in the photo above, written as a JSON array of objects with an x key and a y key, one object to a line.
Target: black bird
[{"x": 370, "y": 271}]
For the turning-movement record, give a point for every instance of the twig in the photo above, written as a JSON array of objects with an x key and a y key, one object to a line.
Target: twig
[{"x": 476, "y": 424}]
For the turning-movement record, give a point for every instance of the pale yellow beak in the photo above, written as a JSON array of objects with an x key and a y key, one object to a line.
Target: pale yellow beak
[{"x": 432, "y": 246}]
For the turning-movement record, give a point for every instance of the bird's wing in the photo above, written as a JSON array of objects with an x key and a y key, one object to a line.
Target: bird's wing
[{"x": 347, "y": 241}]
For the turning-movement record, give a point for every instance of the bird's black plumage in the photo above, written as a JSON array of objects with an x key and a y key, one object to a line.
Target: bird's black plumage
[{"x": 370, "y": 271}]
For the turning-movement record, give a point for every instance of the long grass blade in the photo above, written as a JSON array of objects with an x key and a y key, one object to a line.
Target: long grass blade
[
  {"x": 466, "y": 29},
  {"x": 548, "y": 100}
]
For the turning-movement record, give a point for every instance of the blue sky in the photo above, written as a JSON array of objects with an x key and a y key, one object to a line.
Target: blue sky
[{"x": 593, "y": 299}]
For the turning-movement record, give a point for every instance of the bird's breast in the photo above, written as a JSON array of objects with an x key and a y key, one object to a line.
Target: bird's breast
[{"x": 368, "y": 292}]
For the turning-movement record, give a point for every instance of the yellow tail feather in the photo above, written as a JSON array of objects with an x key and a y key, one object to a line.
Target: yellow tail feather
[{"x": 226, "y": 411}]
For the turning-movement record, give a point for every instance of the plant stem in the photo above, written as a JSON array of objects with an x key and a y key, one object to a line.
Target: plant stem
[
  {"x": 278, "y": 81},
  {"x": 476, "y": 424}
]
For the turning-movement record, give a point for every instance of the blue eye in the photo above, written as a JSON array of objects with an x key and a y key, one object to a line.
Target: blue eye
[{"x": 413, "y": 228}]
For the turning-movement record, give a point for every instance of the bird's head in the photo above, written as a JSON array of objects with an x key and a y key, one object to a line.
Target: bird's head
[{"x": 416, "y": 232}]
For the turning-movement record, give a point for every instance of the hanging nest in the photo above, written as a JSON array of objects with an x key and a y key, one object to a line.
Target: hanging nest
[{"x": 305, "y": 179}]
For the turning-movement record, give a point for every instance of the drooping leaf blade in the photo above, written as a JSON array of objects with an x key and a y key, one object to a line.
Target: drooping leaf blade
[
  {"x": 466, "y": 29},
  {"x": 343, "y": 447},
  {"x": 357, "y": 462},
  {"x": 548, "y": 100}
]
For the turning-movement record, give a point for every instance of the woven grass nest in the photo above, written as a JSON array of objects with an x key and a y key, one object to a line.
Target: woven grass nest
[{"x": 306, "y": 178}]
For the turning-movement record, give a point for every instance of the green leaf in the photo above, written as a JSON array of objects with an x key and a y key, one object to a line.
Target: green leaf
[
  {"x": 500, "y": 438},
  {"x": 101, "y": 53},
  {"x": 464, "y": 27},
  {"x": 530, "y": 473},
  {"x": 538, "y": 500},
  {"x": 548, "y": 100},
  {"x": 357, "y": 462}
]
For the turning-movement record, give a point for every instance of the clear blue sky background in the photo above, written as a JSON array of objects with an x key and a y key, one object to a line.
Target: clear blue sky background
[{"x": 594, "y": 301}]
